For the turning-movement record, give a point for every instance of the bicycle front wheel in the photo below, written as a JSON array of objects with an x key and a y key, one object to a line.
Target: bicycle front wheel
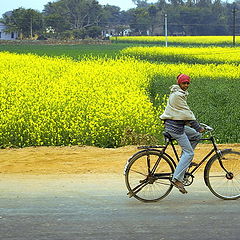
[
  {"x": 222, "y": 176},
  {"x": 145, "y": 184}
]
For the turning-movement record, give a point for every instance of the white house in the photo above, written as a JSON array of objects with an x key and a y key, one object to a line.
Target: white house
[
  {"x": 7, "y": 36},
  {"x": 112, "y": 31}
]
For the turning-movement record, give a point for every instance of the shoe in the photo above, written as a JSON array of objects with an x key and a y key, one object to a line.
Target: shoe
[
  {"x": 179, "y": 185},
  {"x": 193, "y": 164}
]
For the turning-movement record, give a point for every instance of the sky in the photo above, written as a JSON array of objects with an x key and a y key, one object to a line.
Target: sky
[{"x": 8, "y": 5}]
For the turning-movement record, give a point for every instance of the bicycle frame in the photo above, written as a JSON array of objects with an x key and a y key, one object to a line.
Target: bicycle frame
[{"x": 171, "y": 142}]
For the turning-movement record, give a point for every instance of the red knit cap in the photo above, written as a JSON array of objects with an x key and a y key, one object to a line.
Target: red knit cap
[{"x": 183, "y": 78}]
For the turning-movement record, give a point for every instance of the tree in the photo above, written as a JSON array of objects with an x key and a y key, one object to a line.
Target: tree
[
  {"x": 152, "y": 11},
  {"x": 204, "y": 3},
  {"x": 140, "y": 21},
  {"x": 25, "y": 21},
  {"x": 82, "y": 13},
  {"x": 94, "y": 31},
  {"x": 176, "y": 3},
  {"x": 111, "y": 16},
  {"x": 140, "y": 3},
  {"x": 80, "y": 18},
  {"x": 56, "y": 17},
  {"x": 73, "y": 14}
]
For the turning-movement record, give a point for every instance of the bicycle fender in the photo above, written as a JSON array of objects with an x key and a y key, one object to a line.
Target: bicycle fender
[
  {"x": 135, "y": 154},
  {"x": 210, "y": 160},
  {"x": 129, "y": 160},
  {"x": 145, "y": 150}
]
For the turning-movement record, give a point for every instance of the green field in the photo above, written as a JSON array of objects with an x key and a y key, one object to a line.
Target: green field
[{"x": 73, "y": 51}]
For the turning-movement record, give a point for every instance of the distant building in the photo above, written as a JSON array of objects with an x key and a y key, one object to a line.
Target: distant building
[
  {"x": 116, "y": 31},
  {"x": 7, "y": 36}
]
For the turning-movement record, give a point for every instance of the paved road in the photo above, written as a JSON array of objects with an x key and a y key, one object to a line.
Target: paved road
[{"x": 96, "y": 207}]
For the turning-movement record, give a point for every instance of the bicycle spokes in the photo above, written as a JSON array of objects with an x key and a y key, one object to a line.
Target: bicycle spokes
[
  {"x": 223, "y": 175},
  {"x": 148, "y": 175}
]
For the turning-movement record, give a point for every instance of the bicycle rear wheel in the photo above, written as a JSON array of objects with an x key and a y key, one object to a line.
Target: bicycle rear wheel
[
  {"x": 222, "y": 176},
  {"x": 142, "y": 183}
]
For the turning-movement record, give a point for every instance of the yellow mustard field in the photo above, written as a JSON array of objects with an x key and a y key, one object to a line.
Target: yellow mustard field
[
  {"x": 106, "y": 102},
  {"x": 186, "y": 54},
  {"x": 51, "y": 101},
  {"x": 200, "y": 40}
]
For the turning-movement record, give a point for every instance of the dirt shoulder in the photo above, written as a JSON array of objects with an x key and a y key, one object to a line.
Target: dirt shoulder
[{"x": 75, "y": 160}]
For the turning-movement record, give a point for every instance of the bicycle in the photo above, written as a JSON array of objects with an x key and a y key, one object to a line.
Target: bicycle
[{"x": 149, "y": 171}]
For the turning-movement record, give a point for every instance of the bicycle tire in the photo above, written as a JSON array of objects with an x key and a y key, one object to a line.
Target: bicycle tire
[
  {"x": 144, "y": 186},
  {"x": 224, "y": 183}
]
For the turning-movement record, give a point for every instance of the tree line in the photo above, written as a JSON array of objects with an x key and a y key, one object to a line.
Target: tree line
[{"x": 79, "y": 19}]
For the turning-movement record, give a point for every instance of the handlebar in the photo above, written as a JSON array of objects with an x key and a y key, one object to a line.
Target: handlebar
[{"x": 205, "y": 126}]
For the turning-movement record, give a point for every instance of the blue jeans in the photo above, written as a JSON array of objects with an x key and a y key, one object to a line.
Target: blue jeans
[{"x": 188, "y": 141}]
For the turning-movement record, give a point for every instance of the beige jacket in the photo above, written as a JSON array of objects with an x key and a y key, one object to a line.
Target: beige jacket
[{"x": 177, "y": 108}]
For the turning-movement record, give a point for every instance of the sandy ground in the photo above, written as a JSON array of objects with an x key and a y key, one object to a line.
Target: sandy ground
[
  {"x": 61, "y": 193},
  {"x": 76, "y": 160}
]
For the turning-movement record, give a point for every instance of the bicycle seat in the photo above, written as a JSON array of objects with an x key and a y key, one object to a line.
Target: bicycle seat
[{"x": 167, "y": 135}]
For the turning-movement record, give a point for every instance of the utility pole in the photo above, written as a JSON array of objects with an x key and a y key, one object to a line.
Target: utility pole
[
  {"x": 234, "y": 24},
  {"x": 166, "y": 30}
]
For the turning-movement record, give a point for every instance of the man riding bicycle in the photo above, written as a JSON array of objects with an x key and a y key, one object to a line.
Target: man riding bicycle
[{"x": 181, "y": 124}]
